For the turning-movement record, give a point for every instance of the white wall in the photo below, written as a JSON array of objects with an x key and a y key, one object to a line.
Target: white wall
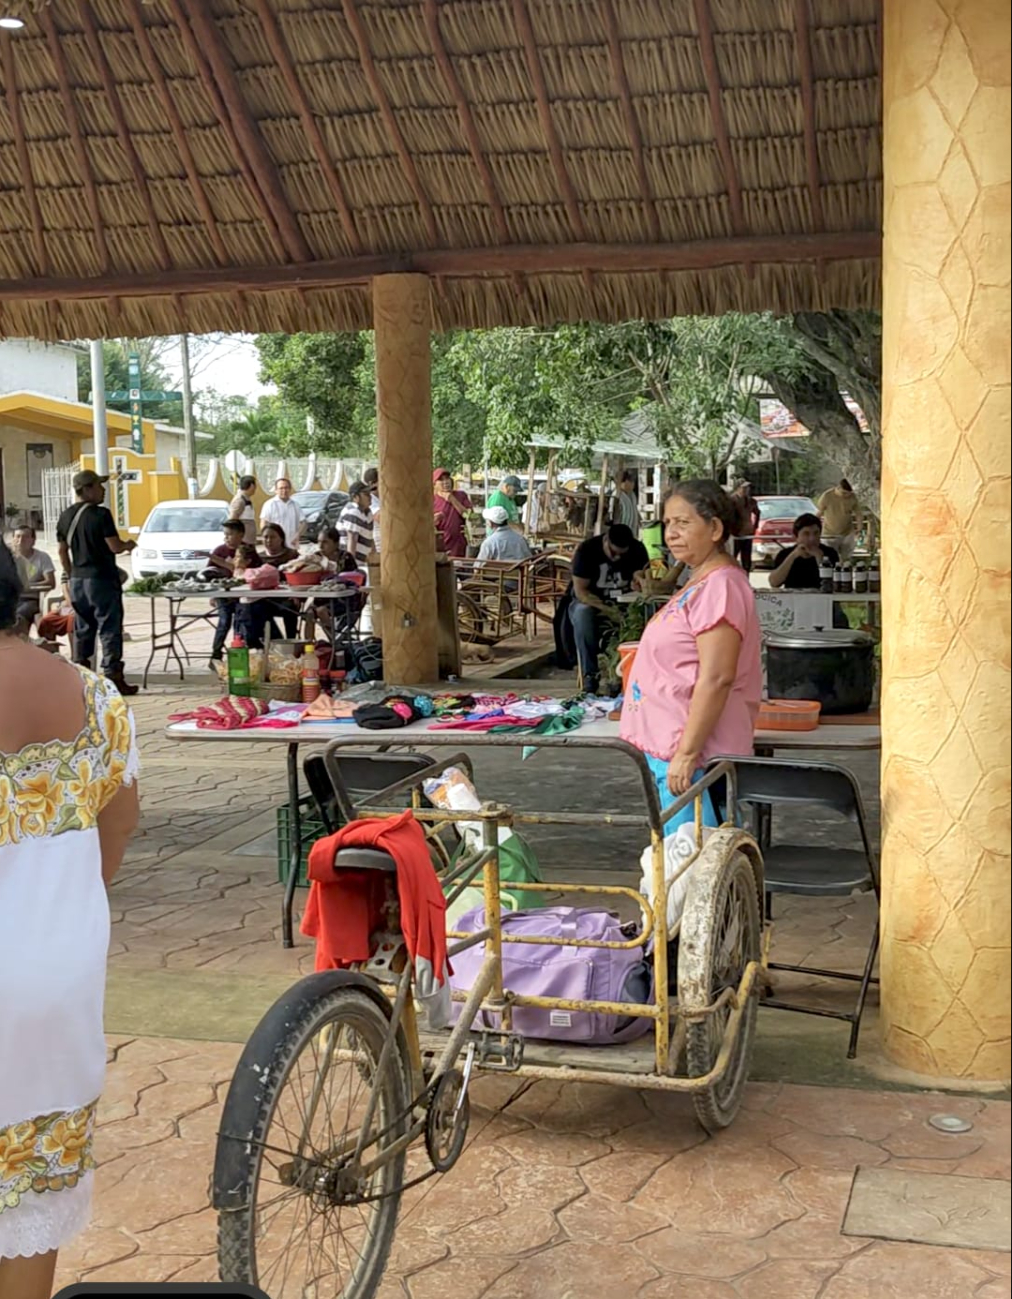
[{"x": 46, "y": 368}]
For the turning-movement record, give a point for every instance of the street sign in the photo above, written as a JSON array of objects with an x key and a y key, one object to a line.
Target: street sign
[
  {"x": 143, "y": 394},
  {"x": 128, "y": 476}
]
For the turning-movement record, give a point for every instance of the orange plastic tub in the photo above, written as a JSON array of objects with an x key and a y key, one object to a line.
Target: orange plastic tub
[
  {"x": 626, "y": 655},
  {"x": 788, "y": 715}
]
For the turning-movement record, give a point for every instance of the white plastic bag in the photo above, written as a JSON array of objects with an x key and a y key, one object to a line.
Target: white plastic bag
[{"x": 678, "y": 848}]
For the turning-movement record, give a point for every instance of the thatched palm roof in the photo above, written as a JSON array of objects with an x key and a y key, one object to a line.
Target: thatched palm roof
[{"x": 171, "y": 165}]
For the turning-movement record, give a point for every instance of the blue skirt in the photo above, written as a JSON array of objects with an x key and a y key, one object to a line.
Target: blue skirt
[{"x": 687, "y": 816}]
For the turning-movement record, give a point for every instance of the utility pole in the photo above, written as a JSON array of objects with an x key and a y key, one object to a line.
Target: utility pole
[
  {"x": 99, "y": 426},
  {"x": 189, "y": 439}
]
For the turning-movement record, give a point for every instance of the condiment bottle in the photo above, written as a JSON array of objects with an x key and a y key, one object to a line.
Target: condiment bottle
[
  {"x": 310, "y": 675},
  {"x": 838, "y": 577},
  {"x": 874, "y": 576},
  {"x": 826, "y": 576},
  {"x": 860, "y": 577},
  {"x": 847, "y": 583},
  {"x": 238, "y": 668}
]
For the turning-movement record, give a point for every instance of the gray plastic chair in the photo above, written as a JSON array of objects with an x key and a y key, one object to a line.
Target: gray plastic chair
[{"x": 812, "y": 871}]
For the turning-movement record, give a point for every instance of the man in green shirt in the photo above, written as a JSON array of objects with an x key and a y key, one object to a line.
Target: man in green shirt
[{"x": 503, "y": 497}]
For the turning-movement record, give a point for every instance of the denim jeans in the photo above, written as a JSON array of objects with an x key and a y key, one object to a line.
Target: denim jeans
[
  {"x": 98, "y": 606},
  {"x": 588, "y": 625},
  {"x": 226, "y": 613}
]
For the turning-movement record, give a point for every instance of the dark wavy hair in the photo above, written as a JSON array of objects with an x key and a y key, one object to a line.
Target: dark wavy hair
[
  {"x": 10, "y": 589},
  {"x": 710, "y": 502}
]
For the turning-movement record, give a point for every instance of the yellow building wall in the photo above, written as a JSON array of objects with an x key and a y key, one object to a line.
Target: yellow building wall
[{"x": 14, "y": 444}]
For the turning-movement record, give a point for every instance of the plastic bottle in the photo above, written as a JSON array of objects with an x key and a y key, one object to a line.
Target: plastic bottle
[
  {"x": 838, "y": 578},
  {"x": 874, "y": 576},
  {"x": 238, "y": 668},
  {"x": 860, "y": 577},
  {"x": 826, "y": 576},
  {"x": 310, "y": 675}
]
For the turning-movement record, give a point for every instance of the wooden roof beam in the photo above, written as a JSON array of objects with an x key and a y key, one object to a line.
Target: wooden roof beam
[
  {"x": 708, "y": 54},
  {"x": 571, "y": 202},
  {"x": 215, "y": 69},
  {"x": 24, "y": 157},
  {"x": 177, "y": 129},
  {"x": 389, "y": 118},
  {"x": 430, "y": 11},
  {"x": 632, "y": 128},
  {"x": 76, "y": 133},
  {"x": 803, "y": 39},
  {"x": 548, "y": 259},
  {"x": 123, "y": 134},
  {"x": 282, "y": 57}
]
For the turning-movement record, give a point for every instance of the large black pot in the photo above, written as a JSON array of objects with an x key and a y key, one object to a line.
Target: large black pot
[{"x": 834, "y": 668}]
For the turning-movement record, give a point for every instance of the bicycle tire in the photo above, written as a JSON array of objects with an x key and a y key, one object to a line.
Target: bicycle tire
[
  {"x": 722, "y": 904},
  {"x": 282, "y": 1043}
]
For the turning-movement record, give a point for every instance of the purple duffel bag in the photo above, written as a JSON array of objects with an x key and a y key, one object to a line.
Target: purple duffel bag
[{"x": 570, "y": 973}]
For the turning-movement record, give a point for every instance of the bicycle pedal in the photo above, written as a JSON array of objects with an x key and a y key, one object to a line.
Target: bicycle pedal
[{"x": 501, "y": 1052}]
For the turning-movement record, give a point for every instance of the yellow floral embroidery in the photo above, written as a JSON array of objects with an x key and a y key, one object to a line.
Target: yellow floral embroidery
[
  {"x": 48, "y": 789},
  {"x": 48, "y": 1153}
]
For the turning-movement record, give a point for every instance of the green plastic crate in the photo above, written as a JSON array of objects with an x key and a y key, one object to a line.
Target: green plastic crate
[{"x": 312, "y": 829}]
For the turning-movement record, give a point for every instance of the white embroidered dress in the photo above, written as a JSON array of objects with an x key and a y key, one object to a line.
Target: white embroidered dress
[{"x": 54, "y": 948}]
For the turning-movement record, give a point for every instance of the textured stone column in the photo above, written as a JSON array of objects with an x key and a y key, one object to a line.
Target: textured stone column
[
  {"x": 401, "y": 316},
  {"x": 945, "y": 527}
]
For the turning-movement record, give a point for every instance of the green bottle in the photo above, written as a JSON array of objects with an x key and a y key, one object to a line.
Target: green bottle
[{"x": 238, "y": 668}]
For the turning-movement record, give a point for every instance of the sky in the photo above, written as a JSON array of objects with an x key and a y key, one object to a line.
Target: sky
[{"x": 228, "y": 363}]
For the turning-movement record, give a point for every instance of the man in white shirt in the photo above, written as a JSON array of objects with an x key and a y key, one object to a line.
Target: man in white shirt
[
  {"x": 371, "y": 479},
  {"x": 36, "y": 571},
  {"x": 283, "y": 511},
  {"x": 502, "y": 544}
]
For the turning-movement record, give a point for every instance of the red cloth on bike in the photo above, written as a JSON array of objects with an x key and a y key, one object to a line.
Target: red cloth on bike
[{"x": 345, "y": 907}]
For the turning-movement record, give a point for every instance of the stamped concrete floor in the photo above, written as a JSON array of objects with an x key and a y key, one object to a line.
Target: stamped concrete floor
[{"x": 565, "y": 1190}]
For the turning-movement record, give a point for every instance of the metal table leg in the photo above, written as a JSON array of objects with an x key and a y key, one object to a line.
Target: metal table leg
[
  {"x": 154, "y": 644},
  {"x": 294, "y": 846},
  {"x": 171, "y": 649}
]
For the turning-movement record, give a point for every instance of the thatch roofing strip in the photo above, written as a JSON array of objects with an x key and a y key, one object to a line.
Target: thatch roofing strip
[{"x": 205, "y": 134}]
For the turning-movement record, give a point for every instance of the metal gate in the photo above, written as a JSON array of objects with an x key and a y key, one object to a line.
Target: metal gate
[{"x": 57, "y": 494}]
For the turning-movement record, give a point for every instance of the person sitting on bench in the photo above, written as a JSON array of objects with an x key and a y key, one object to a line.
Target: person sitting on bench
[{"x": 604, "y": 568}]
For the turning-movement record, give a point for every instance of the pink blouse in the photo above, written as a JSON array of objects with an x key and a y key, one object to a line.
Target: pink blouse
[{"x": 663, "y": 676}]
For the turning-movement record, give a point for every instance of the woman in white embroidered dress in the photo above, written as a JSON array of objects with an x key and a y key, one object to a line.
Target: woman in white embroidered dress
[{"x": 68, "y": 805}]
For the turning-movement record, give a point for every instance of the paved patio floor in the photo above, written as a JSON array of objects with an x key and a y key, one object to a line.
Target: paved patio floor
[{"x": 565, "y": 1190}]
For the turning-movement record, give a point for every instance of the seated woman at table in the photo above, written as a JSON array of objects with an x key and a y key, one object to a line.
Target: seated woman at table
[
  {"x": 339, "y": 568},
  {"x": 222, "y": 564},
  {"x": 277, "y": 551},
  {"x": 696, "y": 681}
]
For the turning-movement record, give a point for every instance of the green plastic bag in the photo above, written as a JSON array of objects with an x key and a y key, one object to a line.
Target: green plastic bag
[{"x": 518, "y": 865}]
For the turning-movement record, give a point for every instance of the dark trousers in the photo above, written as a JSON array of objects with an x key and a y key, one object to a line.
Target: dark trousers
[
  {"x": 588, "y": 629},
  {"x": 226, "y": 613},
  {"x": 98, "y": 606},
  {"x": 743, "y": 552}
]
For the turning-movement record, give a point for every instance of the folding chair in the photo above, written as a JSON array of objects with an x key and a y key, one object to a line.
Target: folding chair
[{"x": 809, "y": 870}]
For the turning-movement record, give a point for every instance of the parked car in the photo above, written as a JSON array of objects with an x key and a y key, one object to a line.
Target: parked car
[
  {"x": 775, "y": 531},
  {"x": 320, "y": 511},
  {"x": 178, "y": 537}
]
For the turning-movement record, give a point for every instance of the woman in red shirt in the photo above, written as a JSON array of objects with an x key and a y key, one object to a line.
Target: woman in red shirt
[{"x": 450, "y": 508}]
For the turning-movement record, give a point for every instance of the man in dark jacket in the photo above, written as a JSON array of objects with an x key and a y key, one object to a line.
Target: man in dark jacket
[{"x": 89, "y": 543}]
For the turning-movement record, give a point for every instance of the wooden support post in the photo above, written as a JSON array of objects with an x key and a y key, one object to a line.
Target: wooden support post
[
  {"x": 599, "y": 523},
  {"x": 402, "y": 318}
]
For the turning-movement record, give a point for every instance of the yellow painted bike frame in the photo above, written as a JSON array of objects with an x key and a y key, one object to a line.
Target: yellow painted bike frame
[{"x": 493, "y": 817}]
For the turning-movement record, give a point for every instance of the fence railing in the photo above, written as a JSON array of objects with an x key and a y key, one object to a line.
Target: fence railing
[{"x": 57, "y": 494}]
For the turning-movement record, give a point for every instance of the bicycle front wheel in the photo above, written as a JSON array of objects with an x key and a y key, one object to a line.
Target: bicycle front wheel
[{"x": 312, "y": 1221}]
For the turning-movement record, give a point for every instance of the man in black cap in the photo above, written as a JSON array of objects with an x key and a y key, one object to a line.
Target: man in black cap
[{"x": 89, "y": 544}]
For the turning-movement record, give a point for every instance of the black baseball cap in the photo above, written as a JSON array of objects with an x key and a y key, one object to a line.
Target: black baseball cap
[{"x": 88, "y": 478}]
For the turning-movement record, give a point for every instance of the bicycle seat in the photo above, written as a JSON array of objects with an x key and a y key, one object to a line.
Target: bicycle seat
[{"x": 364, "y": 859}]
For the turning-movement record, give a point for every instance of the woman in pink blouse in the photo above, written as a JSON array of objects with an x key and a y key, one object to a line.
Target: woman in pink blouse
[{"x": 695, "y": 685}]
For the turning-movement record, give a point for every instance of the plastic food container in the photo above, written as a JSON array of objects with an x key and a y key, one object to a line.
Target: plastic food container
[
  {"x": 788, "y": 715},
  {"x": 305, "y": 577}
]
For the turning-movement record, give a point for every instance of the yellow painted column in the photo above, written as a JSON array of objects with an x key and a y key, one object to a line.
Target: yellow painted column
[
  {"x": 402, "y": 320},
  {"x": 945, "y": 527}
]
